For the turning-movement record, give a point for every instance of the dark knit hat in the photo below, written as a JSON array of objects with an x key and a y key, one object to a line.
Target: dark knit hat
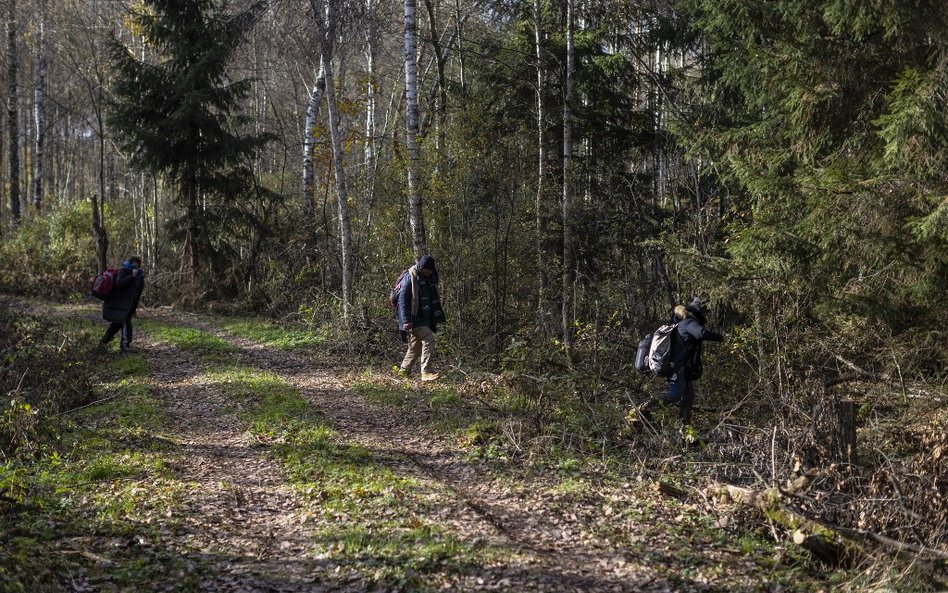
[
  {"x": 426, "y": 261},
  {"x": 699, "y": 308}
]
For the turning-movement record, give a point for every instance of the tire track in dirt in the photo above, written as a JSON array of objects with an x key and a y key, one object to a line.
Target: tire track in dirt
[
  {"x": 241, "y": 518},
  {"x": 479, "y": 507}
]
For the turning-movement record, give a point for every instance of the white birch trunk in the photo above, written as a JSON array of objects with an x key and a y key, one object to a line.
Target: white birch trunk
[
  {"x": 309, "y": 145},
  {"x": 458, "y": 24},
  {"x": 416, "y": 216},
  {"x": 541, "y": 157},
  {"x": 568, "y": 255},
  {"x": 39, "y": 113},
  {"x": 370, "y": 107}
]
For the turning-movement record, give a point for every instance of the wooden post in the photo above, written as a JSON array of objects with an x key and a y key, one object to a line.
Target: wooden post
[{"x": 846, "y": 413}]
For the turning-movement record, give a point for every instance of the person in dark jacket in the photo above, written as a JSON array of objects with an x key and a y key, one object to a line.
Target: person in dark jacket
[
  {"x": 686, "y": 349},
  {"x": 120, "y": 306},
  {"x": 419, "y": 312}
]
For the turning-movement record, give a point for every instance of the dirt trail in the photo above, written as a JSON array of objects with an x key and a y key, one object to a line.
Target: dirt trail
[
  {"x": 554, "y": 555},
  {"x": 241, "y": 516}
]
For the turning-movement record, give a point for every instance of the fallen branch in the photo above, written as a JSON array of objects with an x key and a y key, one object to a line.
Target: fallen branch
[
  {"x": 862, "y": 376},
  {"x": 824, "y": 543},
  {"x": 940, "y": 556},
  {"x": 96, "y": 402},
  {"x": 831, "y": 544}
]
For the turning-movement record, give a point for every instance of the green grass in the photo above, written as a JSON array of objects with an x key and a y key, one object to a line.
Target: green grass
[
  {"x": 208, "y": 346},
  {"x": 104, "y": 478},
  {"x": 448, "y": 412},
  {"x": 365, "y": 516},
  {"x": 281, "y": 337}
]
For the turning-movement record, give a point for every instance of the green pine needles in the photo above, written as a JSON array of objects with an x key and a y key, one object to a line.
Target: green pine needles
[
  {"x": 831, "y": 120},
  {"x": 177, "y": 114}
]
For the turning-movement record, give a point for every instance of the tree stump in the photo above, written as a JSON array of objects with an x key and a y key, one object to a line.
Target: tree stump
[{"x": 846, "y": 437}]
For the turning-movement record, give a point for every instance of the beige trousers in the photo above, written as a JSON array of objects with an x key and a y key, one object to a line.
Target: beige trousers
[{"x": 420, "y": 346}]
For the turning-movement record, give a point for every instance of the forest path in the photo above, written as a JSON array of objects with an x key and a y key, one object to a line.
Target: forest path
[
  {"x": 540, "y": 551},
  {"x": 242, "y": 515},
  {"x": 293, "y": 477}
]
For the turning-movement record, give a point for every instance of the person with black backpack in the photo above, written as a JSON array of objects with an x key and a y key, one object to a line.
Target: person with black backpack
[
  {"x": 120, "y": 305},
  {"x": 687, "y": 344},
  {"x": 419, "y": 313},
  {"x": 679, "y": 361}
]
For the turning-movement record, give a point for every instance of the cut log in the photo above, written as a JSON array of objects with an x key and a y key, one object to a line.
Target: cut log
[
  {"x": 819, "y": 547},
  {"x": 831, "y": 544}
]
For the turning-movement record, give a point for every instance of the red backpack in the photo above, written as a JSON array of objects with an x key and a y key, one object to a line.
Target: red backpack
[
  {"x": 395, "y": 291},
  {"x": 103, "y": 284}
]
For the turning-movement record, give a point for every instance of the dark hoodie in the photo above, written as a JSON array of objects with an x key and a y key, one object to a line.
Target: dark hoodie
[
  {"x": 687, "y": 344},
  {"x": 123, "y": 300},
  {"x": 429, "y": 305}
]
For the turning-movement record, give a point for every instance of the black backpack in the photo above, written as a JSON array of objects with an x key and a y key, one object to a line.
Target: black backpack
[{"x": 653, "y": 356}]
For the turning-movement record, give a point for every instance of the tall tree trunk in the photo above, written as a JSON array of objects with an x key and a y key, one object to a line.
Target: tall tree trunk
[
  {"x": 309, "y": 145},
  {"x": 13, "y": 123},
  {"x": 342, "y": 196},
  {"x": 440, "y": 59},
  {"x": 415, "y": 213},
  {"x": 39, "y": 112},
  {"x": 569, "y": 276},
  {"x": 541, "y": 160},
  {"x": 101, "y": 236},
  {"x": 155, "y": 218},
  {"x": 371, "y": 103},
  {"x": 98, "y": 198},
  {"x": 458, "y": 22},
  {"x": 192, "y": 237}
]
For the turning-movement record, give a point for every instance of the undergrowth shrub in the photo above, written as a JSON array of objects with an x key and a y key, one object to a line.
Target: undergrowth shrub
[
  {"x": 55, "y": 256},
  {"x": 43, "y": 373}
]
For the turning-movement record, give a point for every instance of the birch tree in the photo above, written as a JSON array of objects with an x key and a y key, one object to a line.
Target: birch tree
[
  {"x": 415, "y": 214},
  {"x": 371, "y": 34},
  {"x": 309, "y": 145},
  {"x": 568, "y": 253},
  {"x": 39, "y": 111},
  {"x": 13, "y": 115},
  {"x": 541, "y": 156},
  {"x": 325, "y": 22}
]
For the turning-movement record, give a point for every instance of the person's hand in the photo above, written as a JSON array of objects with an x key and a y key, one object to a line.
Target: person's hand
[{"x": 408, "y": 326}]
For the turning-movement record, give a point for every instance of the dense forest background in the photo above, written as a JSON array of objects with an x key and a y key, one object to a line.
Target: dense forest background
[
  {"x": 577, "y": 167},
  {"x": 785, "y": 160}
]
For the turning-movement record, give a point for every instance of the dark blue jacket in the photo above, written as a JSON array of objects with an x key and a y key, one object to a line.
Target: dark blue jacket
[
  {"x": 686, "y": 346},
  {"x": 122, "y": 302},
  {"x": 429, "y": 305}
]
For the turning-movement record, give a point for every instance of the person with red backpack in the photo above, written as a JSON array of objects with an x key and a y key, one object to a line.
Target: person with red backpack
[
  {"x": 419, "y": 312},
  {"x": 120, "y": 305}
]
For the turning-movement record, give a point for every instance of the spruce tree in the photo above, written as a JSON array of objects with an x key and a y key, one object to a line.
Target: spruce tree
[
  {"x": 829, "y": 119},
  {"x": 177, "y": 114}
]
